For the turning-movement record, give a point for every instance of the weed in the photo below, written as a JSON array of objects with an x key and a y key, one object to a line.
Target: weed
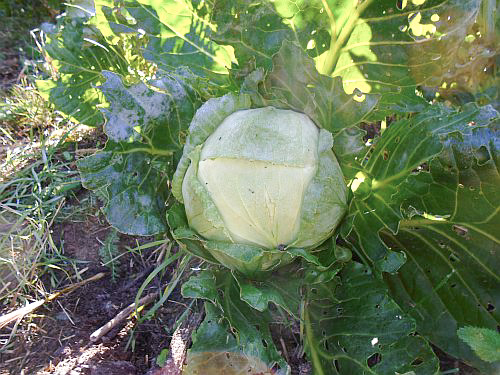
[{"x": 109, "y": 251}]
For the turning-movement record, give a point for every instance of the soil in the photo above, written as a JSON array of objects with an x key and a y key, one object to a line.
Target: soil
[{"x": 58, "y": 341}]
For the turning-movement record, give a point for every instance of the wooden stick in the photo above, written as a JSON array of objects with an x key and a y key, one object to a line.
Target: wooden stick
[
  {"x": 20, "y": 313},
  {"x": 121, "y": 316}
]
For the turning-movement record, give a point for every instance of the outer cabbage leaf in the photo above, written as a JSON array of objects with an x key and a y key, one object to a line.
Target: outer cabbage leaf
[
  {"x": 178, "y": 33},
  {"x": 375, "y": 46},
  {"x": 403, "y": 148},
  {"x": 79, "y": 60},
  {"x": 233, "y": 335},
  {"x": 155, "y": 114},
  {"x": 145, "y": 127},
  {"x": 295, "y": 83},
  {"x": 352, "y": 326},
  {"x": 133, "y": 187},
  {"x": 371, "y": 44},
  {"x": 450, "y": 236}
]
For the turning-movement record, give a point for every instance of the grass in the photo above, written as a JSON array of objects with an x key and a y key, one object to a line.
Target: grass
[{"x": 24, "y": 114}]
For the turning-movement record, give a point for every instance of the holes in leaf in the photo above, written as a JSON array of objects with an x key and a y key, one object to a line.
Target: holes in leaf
[
  {"x": 453, "y": 285},
  {"x": 326, "y": 345},
  {"x": 264, "y": 342},
  {"x": 417, "y": 362},
  {"x": 374, "y": 359},
  {"x": 397, "y": 139},
  {"x": 314, "y": 291},
  {"x": 386, "y": 155},
  {"x": 340, "y": 310},
  {"x": 336, "y": 364},
  {"x": 490, "y": 307},
  {"x": 461, "y": 231},
  {"x": 453, "y": 258},
  {"x": 377, "y": 306},
  {"x": 482, "y": 155},
  {"x": 401, "y": 4}
]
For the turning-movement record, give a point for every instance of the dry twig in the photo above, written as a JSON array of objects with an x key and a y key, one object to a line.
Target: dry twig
[{"x": 121, "y": 316}]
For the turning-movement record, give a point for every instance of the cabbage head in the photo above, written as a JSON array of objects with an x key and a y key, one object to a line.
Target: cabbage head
[{"x": 257, "y": 183}]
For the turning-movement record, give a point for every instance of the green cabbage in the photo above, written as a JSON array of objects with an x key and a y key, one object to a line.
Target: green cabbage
[{"x": 266, "y": 178}]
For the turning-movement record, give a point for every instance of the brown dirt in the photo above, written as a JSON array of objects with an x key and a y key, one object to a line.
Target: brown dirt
[{"x": 57, "y": 340}]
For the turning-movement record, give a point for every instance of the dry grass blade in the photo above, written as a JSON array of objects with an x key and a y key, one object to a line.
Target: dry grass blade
[{"x": 20, "y": 313}]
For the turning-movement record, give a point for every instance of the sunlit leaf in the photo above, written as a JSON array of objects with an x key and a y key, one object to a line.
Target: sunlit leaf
[
  {"x": 375, "y": 46},
  {"x": 79, "y": 60},
  {"x": 485, "y": 342},
  {"x": 178, "y": 32},
  {"x": 294, "y": 82}
]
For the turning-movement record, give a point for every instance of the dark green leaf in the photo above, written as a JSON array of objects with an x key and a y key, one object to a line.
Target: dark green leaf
[
  {"x": 403, "y": 148},
  {"x": 202, "y": 285},
  {"x": 352, "y": 326},
  {"x": 281, "y": 288},
  {"x": 451, "y": 239},
  {"x": 231, "y": 326}
]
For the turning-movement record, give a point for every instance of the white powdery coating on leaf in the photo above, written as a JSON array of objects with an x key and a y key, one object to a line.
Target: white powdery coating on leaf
[
  {"x": 137, "y": 106},
  {"x": 155, "y": 104},
  {"x": 118, "y": 126}
]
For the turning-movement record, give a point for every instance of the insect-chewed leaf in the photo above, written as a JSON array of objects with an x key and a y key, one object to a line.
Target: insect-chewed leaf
[
  {"x": 79, "y": 60},
  {"x": 403, "y": 149},
  {"x": 354, "y": 327},
  {"x": 178, "y": 33},
  {"x": 156, "y": 114},
  {"x": 233, "y": 336},
  {"x": 294, "y": 82},
  {"x": 450, "y": 235}
]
